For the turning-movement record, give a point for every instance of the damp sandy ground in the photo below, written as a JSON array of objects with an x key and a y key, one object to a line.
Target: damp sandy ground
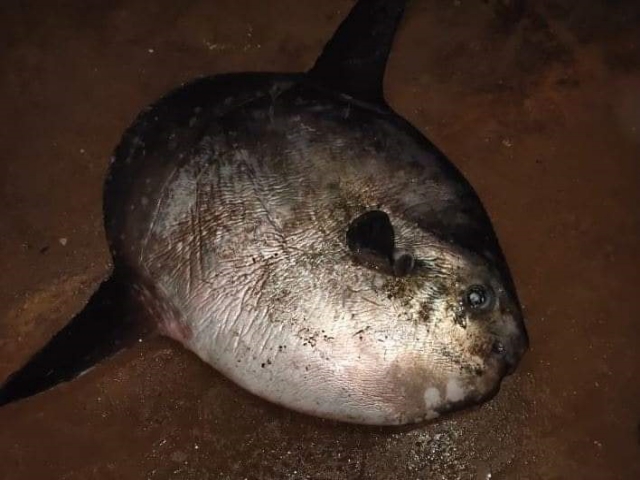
[{"x": 539, "y": 106}]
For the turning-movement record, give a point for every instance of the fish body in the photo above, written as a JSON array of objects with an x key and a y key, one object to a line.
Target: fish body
[{"x": 307, "y": 242}]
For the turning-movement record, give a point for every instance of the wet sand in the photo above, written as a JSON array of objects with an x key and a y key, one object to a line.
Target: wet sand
[{"x": 539, "y": 106}]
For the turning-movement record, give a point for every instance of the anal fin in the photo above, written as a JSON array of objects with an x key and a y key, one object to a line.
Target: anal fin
[{"x": 108, "y": 323}]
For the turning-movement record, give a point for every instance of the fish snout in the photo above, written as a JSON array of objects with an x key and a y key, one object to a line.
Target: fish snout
[{"x": 511, "y": 347}]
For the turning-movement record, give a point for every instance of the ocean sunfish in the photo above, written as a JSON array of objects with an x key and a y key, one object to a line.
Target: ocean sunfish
[{"x": 304, "y": 240}]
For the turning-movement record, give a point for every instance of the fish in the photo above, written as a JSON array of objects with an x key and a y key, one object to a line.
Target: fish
[{"x": 298, "y": 235}]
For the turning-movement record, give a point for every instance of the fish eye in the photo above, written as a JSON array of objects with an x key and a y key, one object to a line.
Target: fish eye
[{"x": 480, "y": 297}]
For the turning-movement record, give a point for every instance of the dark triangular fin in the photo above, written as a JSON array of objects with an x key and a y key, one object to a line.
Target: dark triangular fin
[
  {"x": 354, "y": 60},
  {"x": 103, "y": 327}
]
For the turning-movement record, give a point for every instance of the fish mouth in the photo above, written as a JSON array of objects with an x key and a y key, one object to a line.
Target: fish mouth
[
  {"x": 508, "y": 354},
  {"x": 517, "y": 350},
  {"x": 510, "y": 349}
]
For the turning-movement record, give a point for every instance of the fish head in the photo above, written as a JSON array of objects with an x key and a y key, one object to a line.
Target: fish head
[
  {"x": 457, "y": 324},
  {"x": 475, "y": 333}
]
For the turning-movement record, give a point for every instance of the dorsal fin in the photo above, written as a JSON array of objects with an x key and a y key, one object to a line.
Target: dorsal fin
[{"x": 354, "y": 60}]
